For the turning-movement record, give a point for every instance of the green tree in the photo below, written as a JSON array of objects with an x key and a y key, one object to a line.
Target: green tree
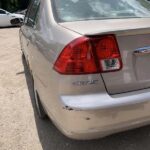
[
  {"x": 23, "y": 4},
  {"x": 14, "y": 5}
]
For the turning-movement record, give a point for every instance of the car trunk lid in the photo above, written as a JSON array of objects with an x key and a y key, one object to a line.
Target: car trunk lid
[{"x": 133, "y": 37}]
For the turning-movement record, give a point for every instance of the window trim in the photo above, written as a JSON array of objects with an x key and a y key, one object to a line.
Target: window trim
[
  {"x": 28, "y": 11},
  {"x": 27, "y": 17},
  {"x": 3, "y": 11}
]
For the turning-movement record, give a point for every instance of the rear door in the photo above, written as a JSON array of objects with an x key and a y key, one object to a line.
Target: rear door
[
  {"x": 135, "y": 51},
  {"x": 27, "y": 31},
  {"x": 36, "y": 49},
  {"x": 31, "y": 29}
]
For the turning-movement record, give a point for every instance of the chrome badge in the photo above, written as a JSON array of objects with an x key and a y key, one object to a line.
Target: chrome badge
[{"x": 142, "y": 51}]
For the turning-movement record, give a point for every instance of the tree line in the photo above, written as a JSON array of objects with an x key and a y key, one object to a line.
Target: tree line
[{"x": 14, "y": 5}]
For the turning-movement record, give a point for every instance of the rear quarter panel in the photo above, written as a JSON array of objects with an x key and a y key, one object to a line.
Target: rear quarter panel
[{"x": 48, "y": 40}]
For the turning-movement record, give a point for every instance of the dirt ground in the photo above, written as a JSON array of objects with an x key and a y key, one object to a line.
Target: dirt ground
[{"x": 21, "y": 129}]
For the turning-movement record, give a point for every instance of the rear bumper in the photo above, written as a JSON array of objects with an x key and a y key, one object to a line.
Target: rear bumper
[
  {"x": 94, "y": 116},
  {"x": 105, "y": 101},
  {"x": 89, "y": 134}
]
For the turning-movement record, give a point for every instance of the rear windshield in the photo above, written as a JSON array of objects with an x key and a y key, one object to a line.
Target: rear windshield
[{"x": 78, "y": 10}]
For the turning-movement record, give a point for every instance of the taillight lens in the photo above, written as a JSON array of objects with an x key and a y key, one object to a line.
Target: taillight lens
[
  {"x": 77, "y": 58},
  {"x": 89, "y": 55},
  {"x": 107, "y": 52}
]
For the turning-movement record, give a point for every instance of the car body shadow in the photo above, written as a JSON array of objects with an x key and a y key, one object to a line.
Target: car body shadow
[
  {"x": 9, "y": 27},
  {"x": 52, "y": 139}
]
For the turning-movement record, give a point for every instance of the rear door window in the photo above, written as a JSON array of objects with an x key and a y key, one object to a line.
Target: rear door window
[
  {"x": 32, "y": 13},
  {"x": 2, "y": 12},
  {"x": 27, "y": 12}
]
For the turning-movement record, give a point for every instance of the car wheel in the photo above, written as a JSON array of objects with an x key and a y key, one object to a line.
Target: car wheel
[
  {"x": 40, "y": 110},
  {"x": 16, "y": 21}
]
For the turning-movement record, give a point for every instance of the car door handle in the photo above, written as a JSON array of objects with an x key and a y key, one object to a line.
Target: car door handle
[{"x": 142, "y": 51}]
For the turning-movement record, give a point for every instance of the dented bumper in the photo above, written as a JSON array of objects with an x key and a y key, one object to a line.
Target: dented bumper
[{"x": 87, "y": 119}]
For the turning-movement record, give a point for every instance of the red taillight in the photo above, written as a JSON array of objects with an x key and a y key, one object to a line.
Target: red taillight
[
  {"x": 89, "y": 55},
  {"x": 77, "y": 58},
  {"x": 107, "y": 53}
]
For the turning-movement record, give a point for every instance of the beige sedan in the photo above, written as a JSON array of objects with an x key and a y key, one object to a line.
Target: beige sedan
[{"x": 90, "y": 64}]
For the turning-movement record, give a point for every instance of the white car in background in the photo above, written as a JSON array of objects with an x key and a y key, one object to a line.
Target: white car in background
[{"x": 9, "y": 19}]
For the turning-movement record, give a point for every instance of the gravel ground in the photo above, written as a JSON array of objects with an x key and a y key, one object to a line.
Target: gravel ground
[{"x": 21, "y": 129}]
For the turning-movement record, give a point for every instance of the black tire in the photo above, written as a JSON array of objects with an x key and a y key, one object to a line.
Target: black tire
[
  {"x": 40, "y": 110},
  {"x": 16, "y": 21}
]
